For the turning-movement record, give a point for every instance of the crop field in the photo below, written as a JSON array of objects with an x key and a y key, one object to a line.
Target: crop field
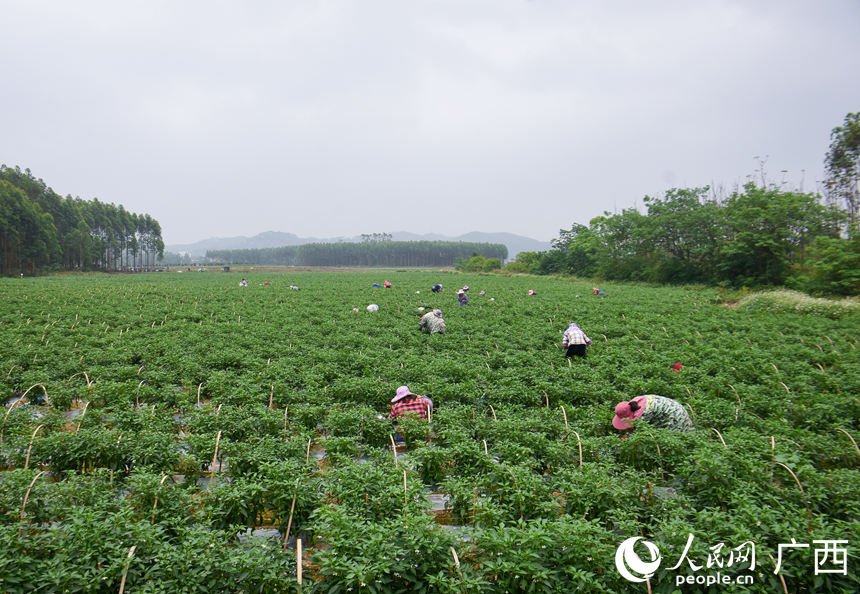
[{"x": 179, "y": 433}]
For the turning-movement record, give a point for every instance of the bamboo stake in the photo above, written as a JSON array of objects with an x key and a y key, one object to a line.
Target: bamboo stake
[
  {"x": 566, "y": 426},
  {"x": 456, "y": 561},
  {"x": 271, "y": 396},
  {"x": 200, "y": 385},
  {"x": 218, "y": 410},
  {"x": 779, "y": 575},
  {"x": 3, "y": 426},
  {"x": 286, "y": 408},
  {"x": 405, "y": 501},
  {"x": 792, "y": 474},
  {"x": 125, "y": 571},
  {"x": 299, "y": 561},
  {"x": 308, "y": 453},
  {"x": 720, "y": 436},
  {"x": 851, "y": 438},
  {"x": 44, "y": 391},
  {"x": 579, "y": 441},
  {"x": 486, "y": 453},
  {"x": 493, "y": 410},
  {"x": 84, "y": 373},
  {"x": 393, "y": 450},
  {"x": 27, "y": 496},
  {"x": 214, "y": 458},
  {"x": 152, "y": 517},
  {"x": 475, "y": 511},
  {"x": 290, "y": 521},
  {"x": 83, "y": 412},
  {"x": 30, "y": 447}
]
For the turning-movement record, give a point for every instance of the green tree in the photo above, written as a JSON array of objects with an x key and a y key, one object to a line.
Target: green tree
[
  {"x": 766, "y": 233},
  {"x": 833, "y": 267},
  {"x": 683, "y": 230},
  {"x": 843, "y": 166}
]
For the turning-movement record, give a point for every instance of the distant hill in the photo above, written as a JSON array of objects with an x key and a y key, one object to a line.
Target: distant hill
[{"x": 515, "y": 243}]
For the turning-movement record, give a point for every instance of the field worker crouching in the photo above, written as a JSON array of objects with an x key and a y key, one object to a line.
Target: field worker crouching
[
  {"x": 432, "y": 322},
  {"x": 407, "y": 403},
  {"x": 575, "y": 341},
  {"x": 437, "y": 288},
  {"x": 462, "y": 299},
  {"x": 657, "y": 411}
]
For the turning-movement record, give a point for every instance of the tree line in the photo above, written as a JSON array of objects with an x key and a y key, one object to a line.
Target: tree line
[
  {"x": 366, "y": 253},
  {"x": 758, "y": 236},
  {"x": 42, "y": 231}
]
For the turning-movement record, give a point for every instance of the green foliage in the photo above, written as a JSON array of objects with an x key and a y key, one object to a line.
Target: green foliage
[
  {"x": 520, "y": 442},
  {"x": 43, "y": 231},
  {"x": 843, "y": 165}
]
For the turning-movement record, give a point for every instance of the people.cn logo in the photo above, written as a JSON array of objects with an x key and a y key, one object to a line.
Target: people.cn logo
[{"x": 629, "y": 563}]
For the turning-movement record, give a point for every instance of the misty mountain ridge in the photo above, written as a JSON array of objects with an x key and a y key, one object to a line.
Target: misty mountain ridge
[{"x": 271, "y": 239}]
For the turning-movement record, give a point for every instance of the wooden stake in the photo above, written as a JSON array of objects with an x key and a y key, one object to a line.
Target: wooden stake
[
  {"x": 720, "y": 436},
  {"x": 486, "y": 453},
  {"x": 394, "y": 450},
  {"x": 30, "y": 447},
  {"x": 456, "y": 561},
  {"x": 27, "y": 494},
  {"x": 271, "y": 396},
  {"x": 44, "y": 391},
  {"x": 152, "y": 518},
  {"x": 308, "y": 453},
  {"x": 404, "y": 489},
  {"x": 290, "y": 521},
  {"x": 83, "y": 412},
  {"x": 125, "y": 571},
  {"x": 214, "y": 458},
  {"x": 794, "y": 476},
  {"x": 493, "y": 410},
  {"x": 475, "y": 511},
  {"x": 851, "y": 438},
  {"x": 198, "y": 394},
  {"x": 579, "y": 441},
  {"x": 299, "y": 561},
  {"x": 566, "y": 426}
]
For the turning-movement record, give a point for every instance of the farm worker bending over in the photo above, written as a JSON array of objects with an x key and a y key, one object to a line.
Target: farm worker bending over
[
  {"x": 405, "y": 402},
  {"x": 386, "y": 284},
  {"x": 575, "y": 341},
  {"x": 243, "y": 283},
  {"x": 462, "y": 299},
  {"x": 432, "y": 322},
  {"x": 436, "y": 288},
  {"x": 657, "y": 411}
]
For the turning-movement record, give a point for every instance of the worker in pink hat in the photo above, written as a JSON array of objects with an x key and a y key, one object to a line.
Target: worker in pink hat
[
  {"x": 657, "y": 411},
  {"x": 406, "y": 402}
]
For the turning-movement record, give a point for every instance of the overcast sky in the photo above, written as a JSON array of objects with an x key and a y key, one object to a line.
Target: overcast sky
[{"x": 336, "y": 118}]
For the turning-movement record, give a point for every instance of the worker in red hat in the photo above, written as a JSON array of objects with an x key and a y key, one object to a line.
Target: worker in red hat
[{"x": 657, "y": 411}]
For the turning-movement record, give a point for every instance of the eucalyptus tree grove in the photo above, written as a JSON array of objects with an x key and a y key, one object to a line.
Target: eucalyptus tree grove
[{"x": 40, "y": 230}]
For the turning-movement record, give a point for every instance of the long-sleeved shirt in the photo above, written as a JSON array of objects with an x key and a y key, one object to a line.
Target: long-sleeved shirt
[
  {"x": 666, "y": 413},
  {"x": 416, "y": 405},
  {"x": 432, "y": 322},
  {"x": 574, "y": 335}
]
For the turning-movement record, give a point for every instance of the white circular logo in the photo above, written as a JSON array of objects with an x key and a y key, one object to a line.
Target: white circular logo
[{"x": 627, "y": 560}]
